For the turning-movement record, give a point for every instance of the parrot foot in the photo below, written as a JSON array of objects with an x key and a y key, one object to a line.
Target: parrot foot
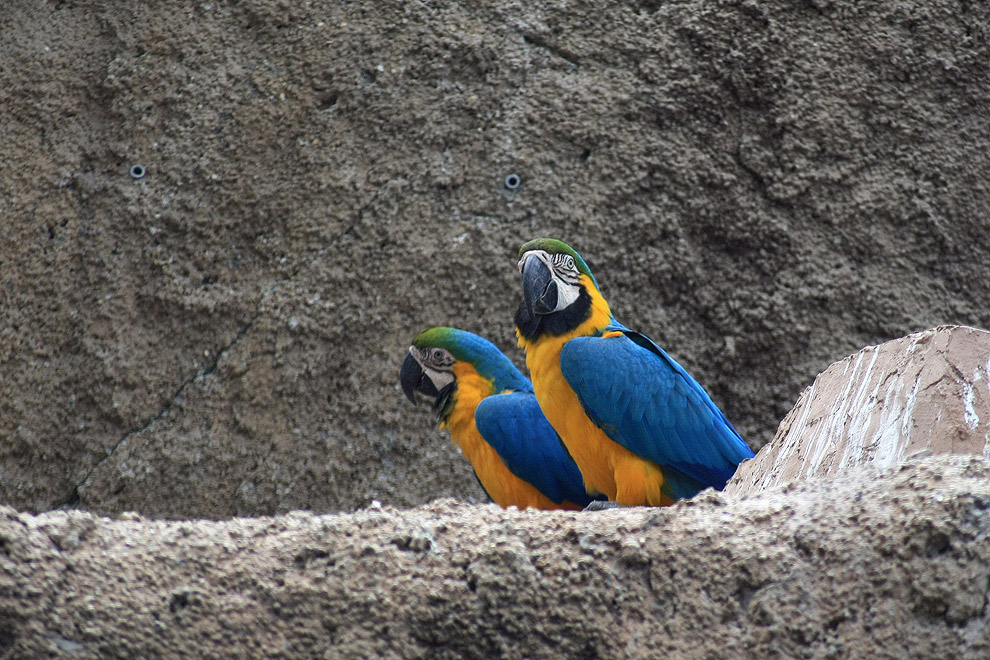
[{"x": 603, "y": 505}]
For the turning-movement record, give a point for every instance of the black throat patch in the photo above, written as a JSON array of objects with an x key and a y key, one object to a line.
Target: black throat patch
[
  {"x": 533, "y": 325},
  {"x": 444, "y": 403}
]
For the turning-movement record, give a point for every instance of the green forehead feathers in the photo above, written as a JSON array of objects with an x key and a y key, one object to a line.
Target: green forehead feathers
[
  {"x": 435, "y": 338},
  {"x": 553, "y": 246},
  {"x": 464, "y": 346},
  {"x": 477, "y": 351}
]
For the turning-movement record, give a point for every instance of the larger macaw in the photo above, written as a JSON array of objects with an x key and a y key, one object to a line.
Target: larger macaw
[
  {"x": 494, "y": 418},
  {"x": 640, "y": 428}
]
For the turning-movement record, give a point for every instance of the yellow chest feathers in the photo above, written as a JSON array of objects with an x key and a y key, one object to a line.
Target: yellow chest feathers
[
  {"x": 472, "y": 387},
  {"x": 543, "y": 353},
  {"x": 505, "y": 488}
]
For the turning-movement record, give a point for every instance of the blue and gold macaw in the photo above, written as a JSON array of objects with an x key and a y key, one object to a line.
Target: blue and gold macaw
[
  {"x": 640, "y": 428},
  {"x": 494, "y": 419}
]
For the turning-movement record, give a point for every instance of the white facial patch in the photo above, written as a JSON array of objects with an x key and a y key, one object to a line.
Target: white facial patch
[
  {"x": 564, "y": 273},
  {"x": 566, "y": 293},
  {"x": 440, "y": 376},
  {"x": 441, "y": 379}
]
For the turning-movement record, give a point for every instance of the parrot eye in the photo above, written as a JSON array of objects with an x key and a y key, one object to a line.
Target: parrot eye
[
  {"x": 439, "y": 359},
  {"x": 569, "y": 262}
]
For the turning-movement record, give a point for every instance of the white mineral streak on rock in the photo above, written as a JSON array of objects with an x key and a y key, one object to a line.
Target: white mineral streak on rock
[
  {"x": 852, "y": 424},
  {"x": 892, "y": 417},
  {"x": 772, "y": 475},
  {"x": 969, "y": 394},
  {"x": 986, "y": 441}
]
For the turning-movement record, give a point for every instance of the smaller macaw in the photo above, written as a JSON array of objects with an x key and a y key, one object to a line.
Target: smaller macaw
[
  {"x": 494, "y": 419},
  {"x": 640, "y": 428}
]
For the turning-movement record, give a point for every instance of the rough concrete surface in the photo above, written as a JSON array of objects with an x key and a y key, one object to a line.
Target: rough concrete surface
[
  {"x": 761, "y": 187},
  {"x": 929, "y": 391},
  {"x": 896, "y": 566}
]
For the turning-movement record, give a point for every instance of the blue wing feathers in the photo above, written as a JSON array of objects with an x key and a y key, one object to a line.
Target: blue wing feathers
[
  {"x": 514, "y": 425},
  {"x": 645, "y": 401}
]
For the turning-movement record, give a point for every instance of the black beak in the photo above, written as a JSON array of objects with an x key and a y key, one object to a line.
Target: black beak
[
  {"x": 539, "y": 289},
  {"x": 413, "y": 379}
]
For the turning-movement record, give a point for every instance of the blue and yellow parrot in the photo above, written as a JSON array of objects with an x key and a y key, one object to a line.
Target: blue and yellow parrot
[
  {"x": 494, "y": 419},
  {"x": 640, "y": 428}
]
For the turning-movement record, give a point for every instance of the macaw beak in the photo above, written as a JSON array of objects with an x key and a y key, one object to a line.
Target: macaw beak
[
  {"x": 413, "y": 379},
  {"x": 539, "y": 288}
]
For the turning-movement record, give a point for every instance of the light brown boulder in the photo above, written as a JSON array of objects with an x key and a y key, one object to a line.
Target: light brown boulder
[{"x": 927, "y": 391}]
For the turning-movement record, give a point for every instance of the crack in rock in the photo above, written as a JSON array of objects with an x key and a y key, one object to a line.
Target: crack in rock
[
  {"x": 74, "y": 497},
  {"x": 209, "y": 370},
  {"x": 565, "y": 54}
]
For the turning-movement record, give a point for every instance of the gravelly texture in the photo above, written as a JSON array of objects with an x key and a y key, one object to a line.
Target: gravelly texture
[
  {"x": 861, "y": 566},
  {"x": 761, "y": 187}
]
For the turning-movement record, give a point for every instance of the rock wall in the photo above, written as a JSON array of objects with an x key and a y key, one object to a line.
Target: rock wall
[{"x": 762, "y": 188}]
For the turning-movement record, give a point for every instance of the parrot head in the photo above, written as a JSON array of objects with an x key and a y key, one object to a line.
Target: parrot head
[
  {"x": 558, "y": 288},
  {"x": 438, "y": 355}
]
